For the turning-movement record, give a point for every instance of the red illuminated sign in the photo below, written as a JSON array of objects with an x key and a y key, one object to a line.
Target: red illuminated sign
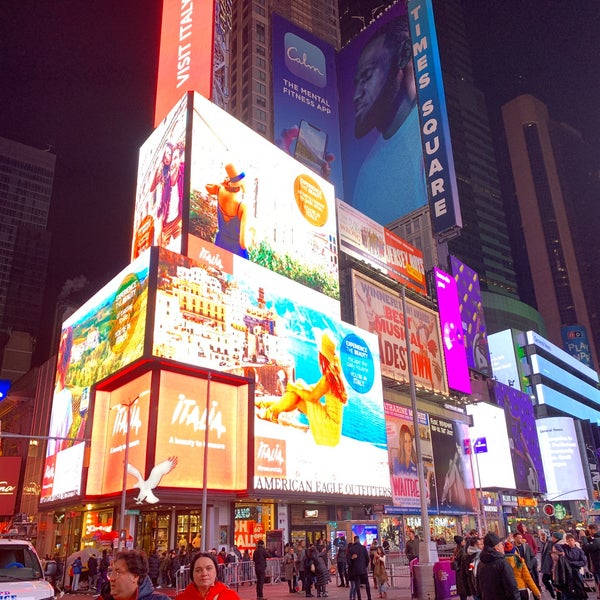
[{"x": 10, "y": 467}]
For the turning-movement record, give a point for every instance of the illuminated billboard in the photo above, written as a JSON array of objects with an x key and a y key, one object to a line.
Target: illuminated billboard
[
  {"x": 576, "y": 343},
  {"x": 382, "y": 157},
  {"x": 160, "y": 194},
  {"x": 10, "y": 467},
  {"x": 305, "y": 114},
  {"x": 403, "y": 457},
  {"x": 232, "y": 315},
  {"x": 255, "y": 201},
  {"x": 166, "y": 444},
  {"x": 522, "y": 432},
  {"x": 561, "y": 457},
  {"x": 493, "y": 468},
  {"x": 378, "y": 310},
  {"x": 366, "y": 240},
  {"x": 439, "y": 162},
  {"x": 452, "y": 332},
  {"x": 504, "y": 357},
  {"x": 472, "y": 316},
  {"x": 185, "y": 60},
  {"x": 104, "y": 335}
]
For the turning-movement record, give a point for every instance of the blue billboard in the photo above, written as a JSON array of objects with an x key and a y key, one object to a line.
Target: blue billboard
[
  {"x": 305, "y": 115},
  {"x": 384, "y": 173}
]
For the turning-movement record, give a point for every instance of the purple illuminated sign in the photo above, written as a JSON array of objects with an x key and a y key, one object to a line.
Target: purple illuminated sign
[{"x": 453, "y": 339}]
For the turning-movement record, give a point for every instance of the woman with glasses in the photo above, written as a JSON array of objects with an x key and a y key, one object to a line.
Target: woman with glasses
[{"x": 128, "y": 577}]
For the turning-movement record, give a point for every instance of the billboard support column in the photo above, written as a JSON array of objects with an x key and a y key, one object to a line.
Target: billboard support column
[
  {"x": 425, "y": 554},
  {"x": 205, "y": 469}
]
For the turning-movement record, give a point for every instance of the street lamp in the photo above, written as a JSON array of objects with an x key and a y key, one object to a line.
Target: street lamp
[{"x": 127, "y": 405}]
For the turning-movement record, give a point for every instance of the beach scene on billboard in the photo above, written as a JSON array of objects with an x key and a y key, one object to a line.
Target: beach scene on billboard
[
  {"x": 317, "y": 381},
  {"x": 101, "y": 337},
  {"x": 382, "y": 157},
  {"x": 403, "y": 457},
  {"x": 157, "y": 219},
  {"x": 379, "y": 310},
  {"x": 252, "y": 199}
]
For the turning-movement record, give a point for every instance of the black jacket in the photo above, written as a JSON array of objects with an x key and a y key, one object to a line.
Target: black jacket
[
  {"x": 260, "y": 558},
  {"x": 592, "y": 548},
  {"x": 358, "y": 558},
  {"x": 495, "y": 577}
]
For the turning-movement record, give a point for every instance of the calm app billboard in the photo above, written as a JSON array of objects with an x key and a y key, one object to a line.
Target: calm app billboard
[
  {"x": 305, "y": 113},
  {"x": 452, "y": 333},
  {"x": 384, "y": 173}
]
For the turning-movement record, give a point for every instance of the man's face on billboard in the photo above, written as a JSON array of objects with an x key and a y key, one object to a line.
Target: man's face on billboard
[{"x": 375, "y": 87}]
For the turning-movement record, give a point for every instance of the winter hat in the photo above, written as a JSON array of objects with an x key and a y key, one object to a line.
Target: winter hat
[
  {"x": 508, "y": 548},
  {"x": 491, "y": 540},
  {"x": 520, "y": 528},
  {"x": 458, "y": 539},
  {"x": 557, "y": 534}
]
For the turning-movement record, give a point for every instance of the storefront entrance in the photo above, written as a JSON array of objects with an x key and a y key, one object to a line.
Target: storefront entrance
[{"x": 309, "y": 535}]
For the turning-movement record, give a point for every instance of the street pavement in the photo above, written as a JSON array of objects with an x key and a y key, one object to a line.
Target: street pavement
[{"x": 280, "y": 591}]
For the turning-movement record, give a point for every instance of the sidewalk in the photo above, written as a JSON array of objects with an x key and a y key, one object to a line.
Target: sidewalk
[{"x": 279, "y": 591}]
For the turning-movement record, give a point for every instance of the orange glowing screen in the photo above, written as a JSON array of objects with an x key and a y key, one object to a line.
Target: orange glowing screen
[
  {"x": 180, "y": 431},
  {"x": 186, "y": 53}
]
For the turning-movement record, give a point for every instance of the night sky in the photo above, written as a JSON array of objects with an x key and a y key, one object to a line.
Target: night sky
[{"x": 79, "y": 77}]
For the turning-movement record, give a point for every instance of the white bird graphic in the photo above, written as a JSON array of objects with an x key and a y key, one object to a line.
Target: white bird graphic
[{"x": 146, "y": 486}]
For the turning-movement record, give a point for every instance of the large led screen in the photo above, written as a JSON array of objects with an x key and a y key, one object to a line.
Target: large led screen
[
  {"x": 382, "y": 157},
  {"x": 229, "y": 314},
  {"x": 366, "y": 240},
  {"x": 452, "y": 332},
  {"x": 10, "y": 467},
  {"x": 252, "y": 199},
  {"x": 472, "y": 315},
  {"x": 159, "y": 201},
  {"x": 492, "y": 468},
  {"x": 185, "y": 61},
  {"x": 100, "y": 338},
  {"x": 561, "y": 457},
  {"x": 116, "y": 412},
  {"x": 305, "y": 114},
  {"x": 504, "y": 358},
  {"x": 378, "y": 310},
  {"x": 522, "y": 432}
]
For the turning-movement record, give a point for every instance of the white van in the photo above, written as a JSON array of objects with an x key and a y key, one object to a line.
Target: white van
[{"x": 21, "y": 574}]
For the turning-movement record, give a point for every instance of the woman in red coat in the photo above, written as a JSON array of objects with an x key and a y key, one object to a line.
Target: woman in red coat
[{"x": 204, "y": 584}]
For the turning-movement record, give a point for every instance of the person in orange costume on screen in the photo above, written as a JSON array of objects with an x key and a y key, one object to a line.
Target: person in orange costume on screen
[
  {"x": 324, "y": 418},
  {"x": 232, "y": 212}
]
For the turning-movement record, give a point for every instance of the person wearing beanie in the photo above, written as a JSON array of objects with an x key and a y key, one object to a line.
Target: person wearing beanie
[
  {"x": 522, "y": 529},
  {"x": 474, "y": 548},
  {"x": 495, "y": 576},
  {"x": 523, "y": 577}
]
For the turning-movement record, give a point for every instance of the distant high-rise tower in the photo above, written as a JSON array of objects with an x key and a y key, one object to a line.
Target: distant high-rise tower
[
  {"x": 550, "y": 197},
  {"x": 26, "y": 176}
]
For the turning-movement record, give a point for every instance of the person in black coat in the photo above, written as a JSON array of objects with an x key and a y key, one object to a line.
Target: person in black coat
[
  {"x": 546, "y": 561},
  {"x": 459, "y": 566},
  {"x": 591, "y": 546},
  {"x": 153, "y": 567},
  {"x": 260, "y": 566},
  {"x": 358, "y": 559},
  {"x": 495, "y": 577}
]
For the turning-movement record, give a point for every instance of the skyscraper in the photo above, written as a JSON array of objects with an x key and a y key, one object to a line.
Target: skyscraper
[
  {"x": 548, "y": 195},
  {"x": 26, "y": 176}
]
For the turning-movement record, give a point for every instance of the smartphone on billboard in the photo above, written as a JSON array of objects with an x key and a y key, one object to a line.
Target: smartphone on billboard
[{"x": 311, "y": 146}]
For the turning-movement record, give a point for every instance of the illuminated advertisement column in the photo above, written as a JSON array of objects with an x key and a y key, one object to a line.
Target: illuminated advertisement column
[{"x": 561, "y": 458}]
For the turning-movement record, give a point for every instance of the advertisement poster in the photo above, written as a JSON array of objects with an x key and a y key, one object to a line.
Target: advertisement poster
[
  {"x": 305, "y": 113},
  {"x": 561, "y": 457},
  {"x": 253, "y": 200},
  {"x": 403, "y": 457},
  {"x": 101, "y": 337},
  {"x": 378, "y": 310},
  {"x": 455, "y": 489},
  {"x": 10, "y": 467},
  {"x": 452, "y": 332},
  {"x": 472, "y": 316},
  {"x": 318, "y": 391},
  {"x": 366, "y": 240},
  {"x": 384, "y": 173},
  {"x": 157, "y": 218},
  {"x": 522, "y": 433}
]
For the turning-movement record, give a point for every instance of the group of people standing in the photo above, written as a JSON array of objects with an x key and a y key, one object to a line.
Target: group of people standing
[{"x": 492, "y": 568}]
